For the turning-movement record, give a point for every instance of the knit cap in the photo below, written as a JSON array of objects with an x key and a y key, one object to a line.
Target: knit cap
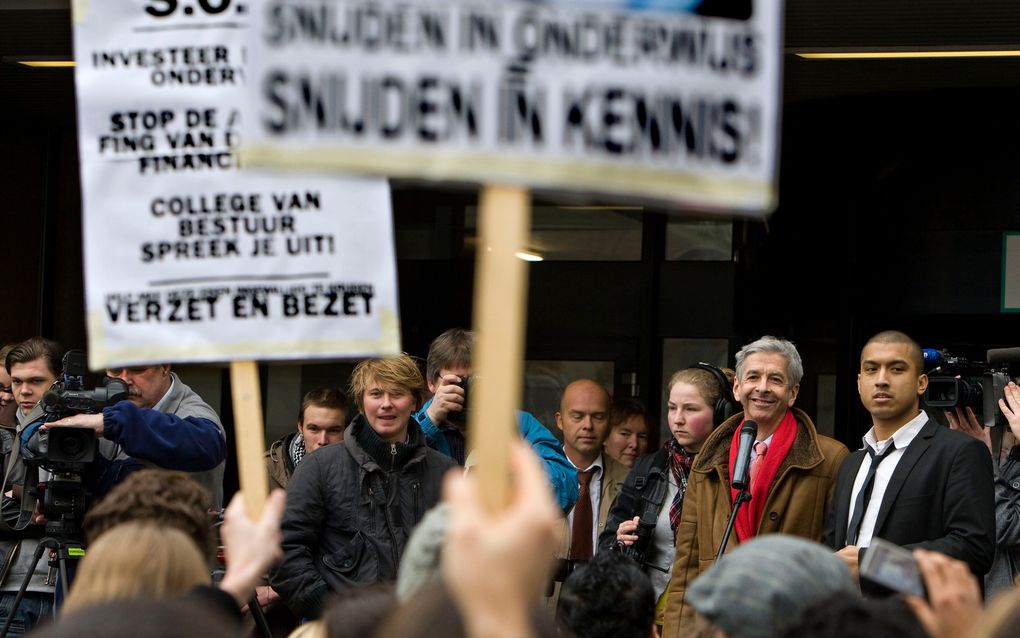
[{"x": 763, "y": 586}]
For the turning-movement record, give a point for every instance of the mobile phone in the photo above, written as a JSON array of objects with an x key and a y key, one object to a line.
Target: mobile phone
[{"x": 893, "y": 567}]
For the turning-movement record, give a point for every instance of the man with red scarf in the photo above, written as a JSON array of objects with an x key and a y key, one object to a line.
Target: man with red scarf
[{"x": 793, "y": 472}]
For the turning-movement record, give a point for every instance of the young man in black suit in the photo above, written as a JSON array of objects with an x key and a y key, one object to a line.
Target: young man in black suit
[{"x": 915, "y": 483}]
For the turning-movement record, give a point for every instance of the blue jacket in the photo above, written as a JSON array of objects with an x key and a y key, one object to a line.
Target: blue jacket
[
  {"x": 148, "y": 438},
  {"x": 561, "y": 473},
  {"x": 184, "y": 434}
]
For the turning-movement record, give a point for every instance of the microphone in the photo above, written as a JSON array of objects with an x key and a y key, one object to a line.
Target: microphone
[
  {"x": 741, "y": 476},
  {"x": 1003, "y": 355},
  {"x": 52, "y": 401}
]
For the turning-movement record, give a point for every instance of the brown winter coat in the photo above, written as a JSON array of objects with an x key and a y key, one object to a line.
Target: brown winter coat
[{"x": 797, "y": 504}]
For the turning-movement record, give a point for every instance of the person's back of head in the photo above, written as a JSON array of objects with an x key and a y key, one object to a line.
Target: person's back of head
[
  {"x": 163, "y": 497},
  {"x": 137, "y": 560},
  {"x": 177, "y": 618},
  {"x": 609, "y": 597},
  {"x": 843, "y": 616},
  {"x": 360, "y": 611},
  {"x": 763, "y": 585}
]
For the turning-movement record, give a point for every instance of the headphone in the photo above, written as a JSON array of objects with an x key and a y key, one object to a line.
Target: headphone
[{"x": 726, "y": 406}]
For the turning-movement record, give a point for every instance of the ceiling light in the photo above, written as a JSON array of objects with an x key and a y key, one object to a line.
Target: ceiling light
[
  {"x": 46, "y": 63},
  {"x": 528, "y": 256},
  {"x": 893, "y": 54},
  {"x": 41, "y": 61}
]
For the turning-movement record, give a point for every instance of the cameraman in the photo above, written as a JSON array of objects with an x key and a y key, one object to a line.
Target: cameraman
[
  {"x": 164, "y": 424},
  {"x": 1007, "y": 487},
  {"x": 33, "y": 366}
]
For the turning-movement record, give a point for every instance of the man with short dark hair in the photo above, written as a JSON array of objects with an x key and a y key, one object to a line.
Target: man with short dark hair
[
  {"x": 321, "y": 421},
  {"x": 33, "y": 366},
  {"x": 443, "y": 418},
  {"x": 610, "y": 597},
  {"x": 914, "y": 483}
]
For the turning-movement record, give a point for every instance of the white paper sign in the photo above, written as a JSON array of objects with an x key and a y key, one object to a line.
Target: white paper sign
[
  {"x": 672, "y": 100},
  {"x": 188, "y": 257}
]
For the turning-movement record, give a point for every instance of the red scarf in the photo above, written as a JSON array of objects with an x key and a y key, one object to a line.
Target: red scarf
[{"x": 750, "y": 512}]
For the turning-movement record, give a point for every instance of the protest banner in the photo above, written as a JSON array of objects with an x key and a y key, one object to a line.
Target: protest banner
[
  {"x": 673, "y": 101},
  {"x": 667, "y": 100},
  {"x": 188, "y": 257}
]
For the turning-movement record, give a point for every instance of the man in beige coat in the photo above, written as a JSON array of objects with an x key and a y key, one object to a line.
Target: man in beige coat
[{"x": 795, "y": 470}]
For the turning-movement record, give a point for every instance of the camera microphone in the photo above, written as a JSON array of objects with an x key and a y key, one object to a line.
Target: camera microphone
[
  {"x": 998, "y": 356},
  {"x": 741, "y": 478},
  {"x": 52, "y": 401}
]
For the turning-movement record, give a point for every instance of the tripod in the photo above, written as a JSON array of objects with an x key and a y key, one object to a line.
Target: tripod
[{"x": 66, "y": 550}]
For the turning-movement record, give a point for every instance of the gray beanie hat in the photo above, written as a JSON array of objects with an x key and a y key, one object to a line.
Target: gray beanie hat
[{"x": 764, "y": 585}]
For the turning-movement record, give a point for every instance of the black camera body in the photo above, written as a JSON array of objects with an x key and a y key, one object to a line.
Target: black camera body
[
  {"x": 649, "y": 503},
  {"x": 956, "y": 382},
  {"x": 459, "y": 419},
  {"x": 67, "y": 451}
]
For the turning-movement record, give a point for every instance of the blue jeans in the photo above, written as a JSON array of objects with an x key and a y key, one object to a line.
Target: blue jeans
[{"x": 34, "y": 608}]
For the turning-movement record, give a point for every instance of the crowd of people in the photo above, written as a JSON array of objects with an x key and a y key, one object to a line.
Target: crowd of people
[{"x": 745, "y": 522}]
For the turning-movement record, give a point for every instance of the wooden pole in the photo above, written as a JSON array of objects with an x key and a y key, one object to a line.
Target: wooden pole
[
  {"x": 501, "y": 281},
  {"x": 248, "y": 429}
]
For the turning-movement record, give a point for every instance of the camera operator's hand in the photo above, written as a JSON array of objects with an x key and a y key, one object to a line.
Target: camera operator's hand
[
  {"x": 90, "y": 421},
  {"x": 964, "y": 420},
  {"x": 449, "y": 397},
  {"x": 626, "y": 533},
  {"x": 954, "y": 597},
  {"x": 1012, "y": 410}
]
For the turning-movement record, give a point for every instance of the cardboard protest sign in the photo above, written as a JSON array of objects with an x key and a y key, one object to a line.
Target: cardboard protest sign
[
  {"x": 674, "y": 100},
  {"x": 188, "y": 257}
]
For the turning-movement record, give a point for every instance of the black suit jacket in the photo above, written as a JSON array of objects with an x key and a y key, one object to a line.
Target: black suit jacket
[{"x": 940, "y": 497}]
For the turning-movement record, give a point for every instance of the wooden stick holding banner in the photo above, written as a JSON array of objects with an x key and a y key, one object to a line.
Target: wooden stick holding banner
[
  {"x": 501, "y": 285},
  {"x": 248, "y": 428}
]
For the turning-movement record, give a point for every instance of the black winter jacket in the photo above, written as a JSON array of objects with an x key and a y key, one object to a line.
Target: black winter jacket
[{"x": 348, "y": 517}]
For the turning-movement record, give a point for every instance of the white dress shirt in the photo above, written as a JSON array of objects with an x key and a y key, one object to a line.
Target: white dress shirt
[{"x": 902, "y": 438}]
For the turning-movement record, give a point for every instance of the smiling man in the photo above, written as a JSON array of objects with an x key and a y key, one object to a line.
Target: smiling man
[
  {"x": 793, "y": 472},
  {"x": 914, "y": 483}
]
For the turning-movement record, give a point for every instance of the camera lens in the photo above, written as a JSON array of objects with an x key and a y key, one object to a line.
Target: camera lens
[{"x": 71, "y": 446}]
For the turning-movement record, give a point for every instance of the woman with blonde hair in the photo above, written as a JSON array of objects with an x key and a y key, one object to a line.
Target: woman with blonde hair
[{"x": 137, "y": 560}]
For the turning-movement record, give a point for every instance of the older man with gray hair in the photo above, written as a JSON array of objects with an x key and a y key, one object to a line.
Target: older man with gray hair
[{"x": 792, "y": 474}]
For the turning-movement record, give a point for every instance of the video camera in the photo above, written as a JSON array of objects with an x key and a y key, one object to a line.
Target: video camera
[
  {"x": 956, "y": 382},
  {"x": 67, "y": 451}
]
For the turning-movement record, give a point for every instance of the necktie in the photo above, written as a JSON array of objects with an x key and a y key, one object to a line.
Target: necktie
[
  {"x": 864, "y": 496},
  {"x": 760, "y": 448},
  {"x": 580, "y": 533}
]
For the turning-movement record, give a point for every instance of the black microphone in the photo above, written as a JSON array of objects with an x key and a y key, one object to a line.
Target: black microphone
[
  {"x": 52, "y": 401},
  {"x": 741, "y": 477},
  {"x": 1003, "y": 355}
]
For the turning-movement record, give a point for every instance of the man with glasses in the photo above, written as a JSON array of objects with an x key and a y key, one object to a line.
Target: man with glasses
[{"x": 792, "y": 473}]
